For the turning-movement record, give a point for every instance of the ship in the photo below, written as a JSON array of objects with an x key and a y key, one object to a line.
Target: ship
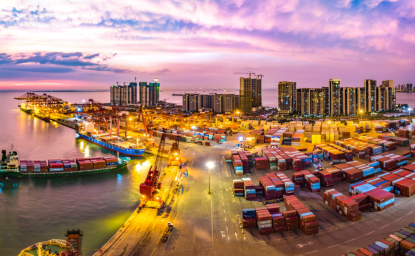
[
  {"x": 12, "y": 167},
  {"x": 122, "y": 147},
  {"x": 42, "y": 116},
  {"x": 177, "y": 94},
  {"x": 25, "y": 108},
  {"x": 56, "y": 246}
]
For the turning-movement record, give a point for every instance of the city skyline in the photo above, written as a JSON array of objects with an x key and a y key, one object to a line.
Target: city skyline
[{"x": 67, "y": 45}]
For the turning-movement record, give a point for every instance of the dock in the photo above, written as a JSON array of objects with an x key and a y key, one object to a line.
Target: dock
[{"x": 130, "y": 237}]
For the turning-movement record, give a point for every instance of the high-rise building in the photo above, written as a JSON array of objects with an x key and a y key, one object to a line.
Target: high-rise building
[
  {"x": 360, "y": 99},
  {"x": 237, "y": 106},
  {"x": 190, "y": 102},
  {"x": 318, "y": 101},
  {"x": 387, "y": 83},
  {"x": 287, "y": 97},
  {"x": 370, "y": 95},
  {"x": 304, "y": 101},
  {"x": 218, "y": 103},
  {"x": 349, "y": 97},
  {"x": 256, "y": 92},
  {"x": 335, "y": 97},
  {"x": 149, "y": 93},
  {"x": 228, "y": 103},
  {"x": 245, "y": 95},
  {"x": 122, "y": 95}
]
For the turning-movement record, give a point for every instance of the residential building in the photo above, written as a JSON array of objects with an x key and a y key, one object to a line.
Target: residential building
[
  {"x": 287, "y": 97},
  {"x": 387, "y": 83},
  {"x": 245, "y": 95},
  {"x": 360, "y": 99},
  {"x": 228, "y": 103},
  {"x": 123, "y": 95},
  {"x": 335, "y": 102},
  {"x": 191, "y": 102},
  {"x": 304, "y": 101},
  {"x": 256, "y": 84},
  {"x": 149, "y": 93},
  {"x": 218, "y": 103},
  {"x": 349, "y": 97},
  {"x": 370, "y": 95},
  {"x": 318, "y": 101}
]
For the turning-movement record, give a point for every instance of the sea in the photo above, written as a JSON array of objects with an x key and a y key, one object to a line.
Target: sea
[{"x": 34, "y": 210}]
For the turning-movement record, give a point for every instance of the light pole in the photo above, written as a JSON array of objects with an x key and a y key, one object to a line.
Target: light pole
[
  {"x": 409, "y": 114},
  {"x": 361, "y": 115},
  {"x": 130, "y": 120},
  {"x": 210, "y": 165}
]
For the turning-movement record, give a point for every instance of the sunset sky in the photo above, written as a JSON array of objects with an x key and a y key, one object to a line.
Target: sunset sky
[{"x": 83, "y": 44}]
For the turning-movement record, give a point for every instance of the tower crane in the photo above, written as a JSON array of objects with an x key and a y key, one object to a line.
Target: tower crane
[{"x": 245, "y": 73}]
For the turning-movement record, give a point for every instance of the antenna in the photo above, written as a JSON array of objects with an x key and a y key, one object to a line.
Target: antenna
[{"x": 135, "y": 78}]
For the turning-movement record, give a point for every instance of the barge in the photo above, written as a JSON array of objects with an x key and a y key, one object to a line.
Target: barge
[
  {"x": 12, "y": 167},
  {"x": 123, "y": 148}
]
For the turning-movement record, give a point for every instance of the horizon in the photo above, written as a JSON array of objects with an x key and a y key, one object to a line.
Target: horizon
[{"x": 49, "y": 45}]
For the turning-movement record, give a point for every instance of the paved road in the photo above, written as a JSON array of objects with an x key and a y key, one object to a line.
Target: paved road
[{"x": 207, "y": 224}]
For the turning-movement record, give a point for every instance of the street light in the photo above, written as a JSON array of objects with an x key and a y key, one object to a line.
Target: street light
[
  {"x": 361, "y": 114},
  {"x": 210, "y": 165},
  {"x": 130, "y": 120}
]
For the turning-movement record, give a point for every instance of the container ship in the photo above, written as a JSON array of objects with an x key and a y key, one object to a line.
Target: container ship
[
  {"x": 12, "y": 167},
  {"x": 113, "y": 143}
]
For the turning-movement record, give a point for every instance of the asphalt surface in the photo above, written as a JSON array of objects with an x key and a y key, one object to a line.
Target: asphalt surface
[{"x": 208, "y": 223}]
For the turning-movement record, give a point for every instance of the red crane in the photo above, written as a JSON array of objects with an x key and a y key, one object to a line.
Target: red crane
[{"x": 151, "y": 184}]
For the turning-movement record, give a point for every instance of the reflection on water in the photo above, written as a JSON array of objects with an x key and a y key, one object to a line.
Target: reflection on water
[{"x": 33, "y": 210}]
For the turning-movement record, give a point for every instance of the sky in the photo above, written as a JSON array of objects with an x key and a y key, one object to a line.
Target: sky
[{"x": 91, "y": 45}]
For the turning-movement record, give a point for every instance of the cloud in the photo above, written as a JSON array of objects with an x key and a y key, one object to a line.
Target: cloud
[{"x": 35, "y": 62}]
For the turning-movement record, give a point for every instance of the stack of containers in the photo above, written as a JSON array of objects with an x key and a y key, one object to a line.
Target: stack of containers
[
  {"x": 269, "y": 187},
  {"x": 261, "y": 163},
  {"x": 98, "y": 162},
  {"x": 330, "y": 177},
  {"x": 305, "y": 217},
  {"x": 298, "y": 179},
  {"x": 111, "y": 160},
  {"x": 84, "y": 163},
  {"x": 238, "y": 188},
  {"x": 36, "y": 166},
  {"x": 43, "y": 166},
  {"x": 401, "y": 242},
  {"x": 245, "y": 162},
  {"x": 264, "y": 221},
  {"x": 288, "y": 184},
  {"x": 249, "y": 189},
  {"x": 248, "y": 218},
  {"x": 312, "y": 182},
  {"x": 30, "y": 166},
  {"x": 237, "y": 165},
  {"x": 272, "y": 160},
  {"x": 23, "y": 166},
  {"x": 342, "y": 204},
  {"x": 70, "y": 165},
  {"x": 56, "y": 165}
]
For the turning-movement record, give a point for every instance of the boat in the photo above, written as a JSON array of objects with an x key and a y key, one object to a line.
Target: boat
[
  {"x": 123, "y": 148},
  {"x": 42, "y": 116},
  {"x": 47, "y": 247},
  {"x": 24, "y": 108},
  {"x": 177, "y": 94},
  {"x": 12, "y": 167}
]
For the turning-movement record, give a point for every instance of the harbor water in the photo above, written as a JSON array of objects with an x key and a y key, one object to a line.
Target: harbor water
[{"x": 33, "y": 210}]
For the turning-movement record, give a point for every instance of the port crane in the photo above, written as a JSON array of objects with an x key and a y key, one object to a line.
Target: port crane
[{"x": 152, "y": 182}]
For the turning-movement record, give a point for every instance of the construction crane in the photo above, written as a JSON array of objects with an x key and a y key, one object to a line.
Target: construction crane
[
  {"x": 152, "y": 183},
  {"x": 245, "y": 73}
]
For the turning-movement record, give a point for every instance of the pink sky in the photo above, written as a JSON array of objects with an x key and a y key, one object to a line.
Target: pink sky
[{"x": 82, "y": 44}]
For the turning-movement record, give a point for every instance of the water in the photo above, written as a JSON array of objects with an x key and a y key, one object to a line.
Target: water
[
  {"x": 33, "y": 210},
  {"x": 42, "y": 209}
]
